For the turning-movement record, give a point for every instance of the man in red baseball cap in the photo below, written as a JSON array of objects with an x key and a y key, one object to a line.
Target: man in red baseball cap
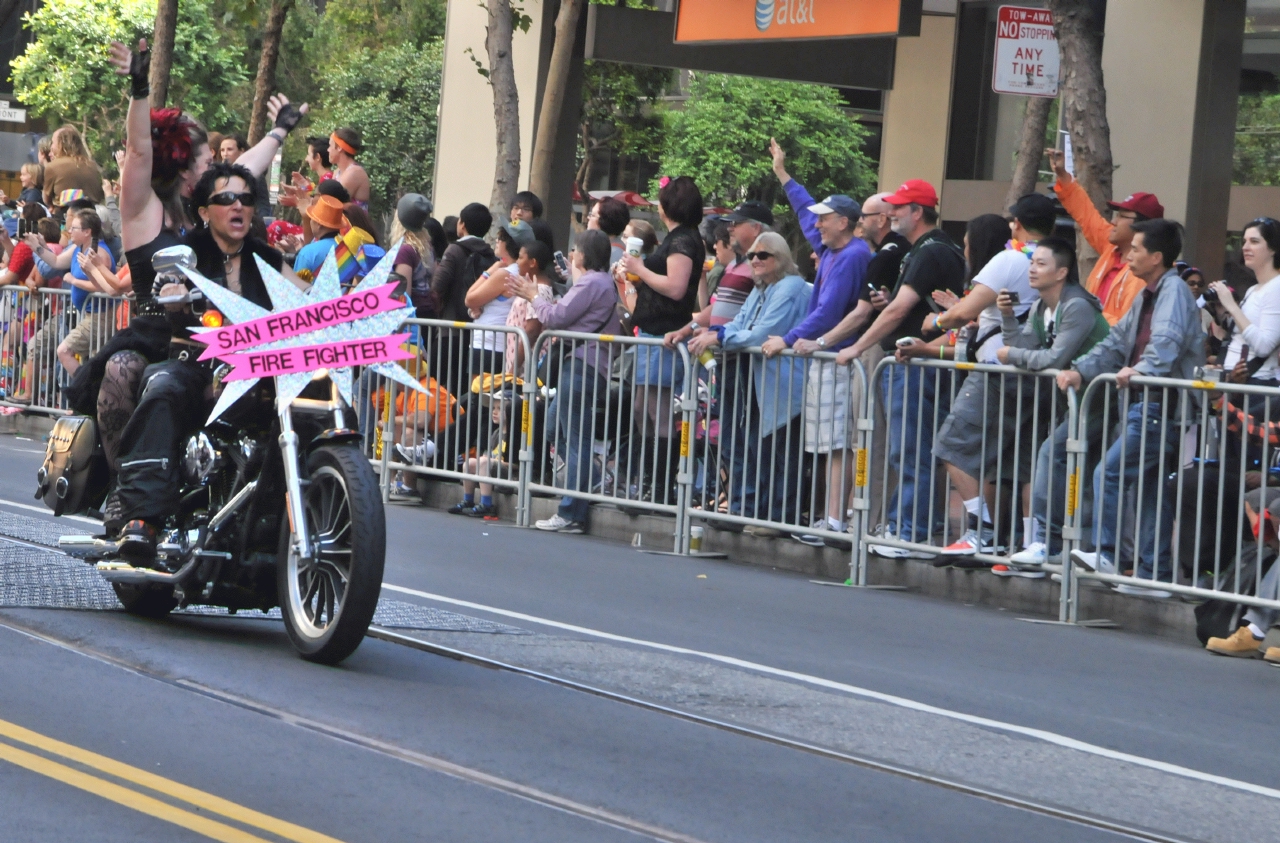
[
  {"x": 913, "y": 396},
  {"x": 1111, "y": 280}
]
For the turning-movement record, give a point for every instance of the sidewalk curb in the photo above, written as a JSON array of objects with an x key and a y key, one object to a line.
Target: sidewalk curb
[{"x": 1172, "y": 619}]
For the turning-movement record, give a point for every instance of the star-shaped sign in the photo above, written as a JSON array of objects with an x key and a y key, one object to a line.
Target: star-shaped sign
[{"x": 304, "y": 333}]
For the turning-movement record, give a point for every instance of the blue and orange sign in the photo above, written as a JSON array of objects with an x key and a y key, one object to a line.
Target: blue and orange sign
[{"x": 702, "y": 21}]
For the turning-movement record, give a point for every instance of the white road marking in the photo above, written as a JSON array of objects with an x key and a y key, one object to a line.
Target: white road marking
[
  {"x": 890, "y": 699},
  {"x": 44, "y": 510}
]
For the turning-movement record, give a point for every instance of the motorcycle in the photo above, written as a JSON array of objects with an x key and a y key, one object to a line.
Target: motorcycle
[{"x": 278, "y": 507}]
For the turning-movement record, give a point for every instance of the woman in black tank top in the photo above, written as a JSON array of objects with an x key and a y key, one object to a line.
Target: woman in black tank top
[
  {"x": 166, "y": 153},
  {"x": 666, "y": 297}
]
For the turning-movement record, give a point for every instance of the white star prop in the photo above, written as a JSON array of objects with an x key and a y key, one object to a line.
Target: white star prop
[{"x": 286, "y": 296}]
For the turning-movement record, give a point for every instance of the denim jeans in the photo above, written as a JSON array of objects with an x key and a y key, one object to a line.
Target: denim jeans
[
  {"x": 771, "y": 474},
  {"x": 738, "y": 423},
  {"x": 1050, "y": 481},
  {"x": 1150, "y": 452},
  {"x": 573, "y": 410},
  {"x": 916, "y": 400}
]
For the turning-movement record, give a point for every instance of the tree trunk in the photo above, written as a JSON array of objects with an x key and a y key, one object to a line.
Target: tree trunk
[
  {"x": 162, "y": 51},
  {"x": 506, "y": 108},
  {"x": 1084, "y": 98},
  {"x": 544, "y": 144},
  {"x": 1026, "y": 170},
  {"x": 265, "y": 84}
]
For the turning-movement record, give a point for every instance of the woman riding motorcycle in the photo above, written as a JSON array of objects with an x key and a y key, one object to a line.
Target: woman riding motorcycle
[{"x": 173, "y": 401}]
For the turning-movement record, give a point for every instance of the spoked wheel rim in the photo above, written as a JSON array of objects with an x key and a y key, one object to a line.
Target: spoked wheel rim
[{"x": 318, "y": 586}]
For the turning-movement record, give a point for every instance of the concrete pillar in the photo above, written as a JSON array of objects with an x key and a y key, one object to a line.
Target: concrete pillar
[
  {"x": 1172, "y": 70},
  {"x": 466, "y": 145},
  {"x": 917, "y": 110}
]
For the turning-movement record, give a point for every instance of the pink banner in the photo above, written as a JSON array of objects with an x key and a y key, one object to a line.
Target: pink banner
[
  {"x": 308, "y": 358},
  {"x": 301, "y": 320}
]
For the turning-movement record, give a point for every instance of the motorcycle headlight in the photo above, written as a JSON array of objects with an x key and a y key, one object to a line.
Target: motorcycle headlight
[{"x": 201, "y": 459}]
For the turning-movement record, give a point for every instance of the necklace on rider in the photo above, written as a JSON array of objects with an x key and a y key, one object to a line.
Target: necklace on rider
[{"x": 228, "y": 258}]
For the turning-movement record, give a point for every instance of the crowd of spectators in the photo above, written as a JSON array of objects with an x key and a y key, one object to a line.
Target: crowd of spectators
[{"x": 777, "y": 313}]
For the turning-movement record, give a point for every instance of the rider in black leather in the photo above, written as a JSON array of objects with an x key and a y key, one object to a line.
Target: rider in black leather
[{"x": 175, "y": 395}]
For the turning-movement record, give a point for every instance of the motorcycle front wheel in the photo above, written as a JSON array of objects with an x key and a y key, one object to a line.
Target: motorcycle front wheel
[{"x": 328, "y": 601}]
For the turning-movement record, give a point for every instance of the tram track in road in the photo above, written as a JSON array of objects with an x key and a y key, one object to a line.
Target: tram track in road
[{"x": 535, "y": 795}]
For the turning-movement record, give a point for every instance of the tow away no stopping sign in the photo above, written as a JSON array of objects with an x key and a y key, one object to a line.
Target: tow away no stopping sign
[{"x": 1026, "y": 60}]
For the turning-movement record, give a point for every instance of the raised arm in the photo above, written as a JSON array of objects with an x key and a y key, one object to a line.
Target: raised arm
[
  {"x": 285, "y": 115},
  {"x": 136, "y": 195}
]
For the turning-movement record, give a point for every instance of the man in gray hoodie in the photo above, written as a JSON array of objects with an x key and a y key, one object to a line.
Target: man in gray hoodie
[
  {"x": 1064, "y": 324},
  {"x": 1160, "y": 336}
]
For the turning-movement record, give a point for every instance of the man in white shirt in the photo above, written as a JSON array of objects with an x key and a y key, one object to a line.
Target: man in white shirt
[{"x": 979, "y": 429}]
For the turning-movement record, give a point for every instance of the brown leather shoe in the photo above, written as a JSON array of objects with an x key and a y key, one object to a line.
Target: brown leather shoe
[
  {"x": 1272, "y": 655},
  {"x": 1241, "y": 644}
]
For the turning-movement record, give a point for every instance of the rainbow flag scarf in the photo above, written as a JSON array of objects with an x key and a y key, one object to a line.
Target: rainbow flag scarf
[{"x": 349, "y": 254}]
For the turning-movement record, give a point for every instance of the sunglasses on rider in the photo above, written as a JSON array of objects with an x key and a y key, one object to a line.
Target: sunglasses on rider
[
  {"x": 762, "y": 256},
  {"x": 230, "y": 197}
]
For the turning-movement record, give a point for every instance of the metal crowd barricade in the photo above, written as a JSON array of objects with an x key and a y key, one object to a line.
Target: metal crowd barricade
[
  {"x": 1189, "y": 515},
  {"x": 468, "y": 424},
  {"x": 776, "y": 445},
  {"x": 34, "y": 324},
  {"x": 609, "y": 420},
  {"x": 1006, "y": 415}
]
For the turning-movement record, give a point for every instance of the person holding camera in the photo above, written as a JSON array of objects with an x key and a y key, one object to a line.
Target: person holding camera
[{"x": 1253, "y": 355}]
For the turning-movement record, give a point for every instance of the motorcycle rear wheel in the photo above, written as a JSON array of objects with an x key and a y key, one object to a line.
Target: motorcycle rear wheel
[
  {"x": 147, "y": 601},
  {"x": 328, "y": 602}
]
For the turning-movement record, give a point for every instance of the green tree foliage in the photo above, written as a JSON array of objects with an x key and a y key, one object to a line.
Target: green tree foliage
[
  {"x": 64, "y": 73},
  {"x": 1257, "y": 151},
  {"x": 391, "y": 97},
  {"x": 621, "y": 112},
  {"x": 721, "y": 139}
]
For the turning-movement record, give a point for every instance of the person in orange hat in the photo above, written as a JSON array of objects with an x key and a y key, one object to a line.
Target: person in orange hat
[
  {"x": 326, "y": 218},
  {"x": 1111, "y": 280}
]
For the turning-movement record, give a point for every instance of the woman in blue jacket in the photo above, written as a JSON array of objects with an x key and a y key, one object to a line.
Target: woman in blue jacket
[{"x": 770, "y": 485}]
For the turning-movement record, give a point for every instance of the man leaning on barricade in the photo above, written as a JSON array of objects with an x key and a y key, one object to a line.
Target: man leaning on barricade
[
  {"x": 1065, "y": 322},
  {"x": 912, "y": 395},
  {"x": 829, "y": 227},
  {"x": 1160, "y": 336}
]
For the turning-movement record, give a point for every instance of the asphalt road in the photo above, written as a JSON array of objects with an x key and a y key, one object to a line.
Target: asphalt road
[{"x": 399, "y": 744}]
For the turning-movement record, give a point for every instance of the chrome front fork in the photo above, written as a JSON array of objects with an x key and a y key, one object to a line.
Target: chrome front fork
[{"x": 293, "y": 482}]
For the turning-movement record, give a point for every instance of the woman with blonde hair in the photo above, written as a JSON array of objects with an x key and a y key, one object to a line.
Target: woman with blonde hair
[
  {"x": 416, "y": 260},
  {"x": 770, "y": 486},
  {"x": 72, "y": 168}
]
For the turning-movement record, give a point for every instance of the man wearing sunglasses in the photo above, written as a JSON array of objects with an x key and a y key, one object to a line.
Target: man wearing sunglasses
[{"x": 1112, "y": 280}]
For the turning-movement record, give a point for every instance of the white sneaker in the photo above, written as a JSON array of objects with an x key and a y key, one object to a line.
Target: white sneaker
[
  {"x": 1093, "y": 561},
  {"x": 1036, "y": 554},
  {"x": 418, "y": 454},
  {"x": 891, "y": 552},
  {"x": 1139, "y": 591},
  {"x": 558, "y": 524}
]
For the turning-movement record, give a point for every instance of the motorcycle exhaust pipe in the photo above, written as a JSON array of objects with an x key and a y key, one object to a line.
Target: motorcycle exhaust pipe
[
  {"x": 82, "y": 546},
  {"x": 123, "y": 572}
]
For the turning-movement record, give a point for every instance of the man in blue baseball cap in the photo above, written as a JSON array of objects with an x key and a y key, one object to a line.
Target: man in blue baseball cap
[{"x": 830, "y": 227}]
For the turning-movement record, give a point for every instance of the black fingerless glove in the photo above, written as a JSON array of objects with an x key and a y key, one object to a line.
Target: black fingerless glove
[
  {"x": 140, "y": 75},
  {"x": 288, "y": 117}
]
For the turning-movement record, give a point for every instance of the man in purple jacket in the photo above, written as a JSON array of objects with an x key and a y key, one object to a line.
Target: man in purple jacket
[{"x": 842, "y": 266}]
